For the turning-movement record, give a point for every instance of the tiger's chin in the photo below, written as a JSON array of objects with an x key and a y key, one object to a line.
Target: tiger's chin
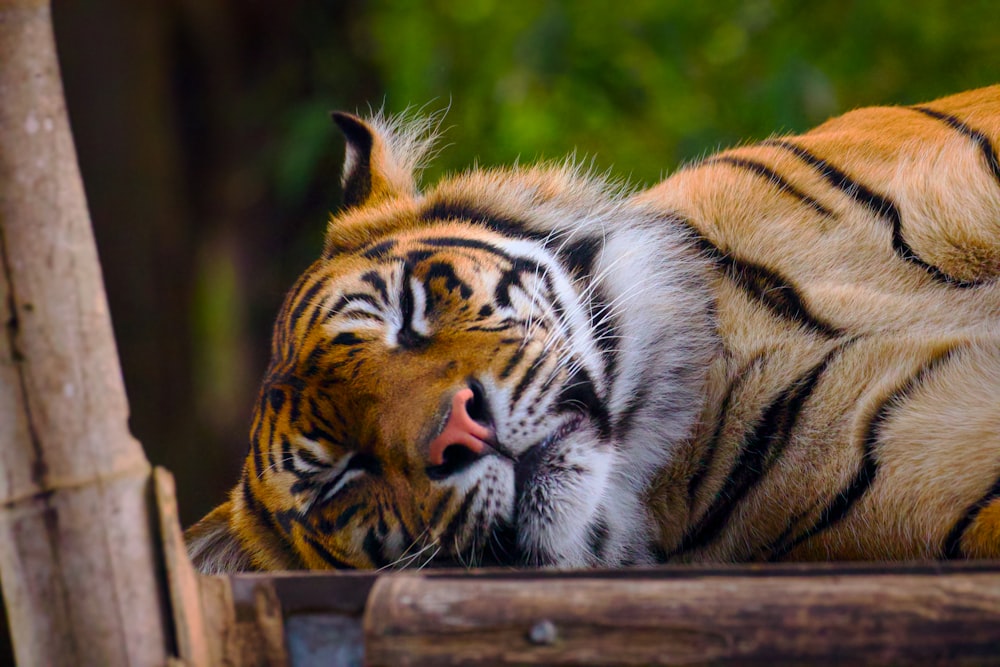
[
  {"x": 564, "y": 487},
  {"x": 559, "y": 485}
]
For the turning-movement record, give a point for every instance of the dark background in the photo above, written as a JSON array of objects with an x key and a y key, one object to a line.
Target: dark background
[{"x": 211, "y": 166}]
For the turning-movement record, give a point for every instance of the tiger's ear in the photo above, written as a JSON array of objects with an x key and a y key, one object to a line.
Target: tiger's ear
[
  {"x": 212, "y": 545},
  {"x": 373, "y": 172}
]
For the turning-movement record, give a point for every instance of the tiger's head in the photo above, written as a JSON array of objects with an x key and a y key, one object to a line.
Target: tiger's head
[{"x": 490, "y": 372}]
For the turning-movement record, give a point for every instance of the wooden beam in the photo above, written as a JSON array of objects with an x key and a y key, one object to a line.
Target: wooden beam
[
  {"x": 192, "y": 643},
  {"x": 816, "y": 615},
  {"x": 78, "y": 541}
]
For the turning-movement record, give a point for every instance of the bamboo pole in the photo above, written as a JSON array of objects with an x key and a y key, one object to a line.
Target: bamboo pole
[{"x": 78, "y": 555}]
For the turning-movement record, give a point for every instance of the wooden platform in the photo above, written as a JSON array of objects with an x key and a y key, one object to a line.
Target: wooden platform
[{"x": 864, "y": 614}]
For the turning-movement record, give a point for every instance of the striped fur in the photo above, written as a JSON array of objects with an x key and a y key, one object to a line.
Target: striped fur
[{"x": 789, "y": 351}]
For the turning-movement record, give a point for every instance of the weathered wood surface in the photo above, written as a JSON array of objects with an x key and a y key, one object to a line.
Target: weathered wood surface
[
  {"x": 246, "y": 617},
  {"x": 193, "y": 646},
  {"x": 684, "y": 616},
  {"x": 244, "y": 621},
  {"x": 285, "y": 619},
  {"x": 78, "y": 554}
]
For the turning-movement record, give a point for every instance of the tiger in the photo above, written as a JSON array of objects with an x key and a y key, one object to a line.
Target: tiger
[{"x": 786, "y": 351}]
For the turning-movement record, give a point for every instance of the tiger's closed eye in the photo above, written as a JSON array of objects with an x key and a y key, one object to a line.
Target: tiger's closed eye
[
  {"x": 324, "y": 480},
  {"x": 364, "y": 463}
]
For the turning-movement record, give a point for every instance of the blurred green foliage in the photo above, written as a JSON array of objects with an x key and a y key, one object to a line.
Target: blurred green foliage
[{"x": 644, "y": 85}]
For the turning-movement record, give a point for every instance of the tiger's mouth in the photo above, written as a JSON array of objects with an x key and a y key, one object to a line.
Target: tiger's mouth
[
  {"x": 531, "y": 463},
  {"x": 511, "y": 540}
]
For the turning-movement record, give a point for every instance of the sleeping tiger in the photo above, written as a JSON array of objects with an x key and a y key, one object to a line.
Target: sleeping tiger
[{"x": 788, "y": 351}]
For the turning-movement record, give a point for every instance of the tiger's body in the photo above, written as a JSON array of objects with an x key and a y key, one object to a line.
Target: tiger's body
[{"x": 789, "y": 351}]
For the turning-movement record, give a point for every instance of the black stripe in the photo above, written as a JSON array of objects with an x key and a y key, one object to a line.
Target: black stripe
[
  {"x": 258, "y": 445},
  {"x": 773, "y": 178},
  {"x": 313, "y": 364},
  {"x": 304, "y": 301},
  {"x": 316, "y": 413},
  {"x": 288, "y": 519},
  {"x": 271, "y": 436},
  {"x": 296, "y": 410},
  {"x": 441, "y": 506},
  {"x": 606, "y": 329},
  {"x": 378, "y": 282},
  {"x": 452, "y": 282},
  {"x": 625, "y": 419},
  {"x": 379, "y": 250},
  {"x": 414, "y": 257},
  {"x": 460, "y": 518},
  {"x": 296, "y": 404},
  {"x": 597, "y": 536},
  {"x": 286, "y": 460},
  {"x": 711, "y": 448},
  {"x": 407, "y": 337},
  {"x": 580, "y": 392},
  {"x": 758, "y": 453},
  {"x": 765, "y": 285},
  {"x": 259, "y": 511},
  {"x": 507, "y": 323},
  {"x": 519, "y": 266},
  {"x": 308, "y": 457},
  {"x": 327, "y": 556},
  {"x": 345, "y": 517},
  {"x": 348, "y": 338},
  {"x": 578, "y": 256},
  {"x": 465, "y": 212},
  {"x": 407, "y": 536},
  {"x": 878, "y": 204},
  {"x": 867, "y": 470},
  {"x": 528, "y": 376},
  {"x": 349, "y": 299},
  {"x": 768, "y": 552},
  {"x": 255, "y": 431},
  {"x": 471, "y": 244},
  {"x": 308, "y": 481},
  {"x": 317, "y": 433},
  {"x": 318, "y": 308},
  {"x": 294, "y": 305},
  {"x": 373, "y": 549},
  {"x": 382, "y": 527},
  {"x": 952, "y": 547},
  {"x": 977, "y": 136},
  {"x": 512, "y": 363}
]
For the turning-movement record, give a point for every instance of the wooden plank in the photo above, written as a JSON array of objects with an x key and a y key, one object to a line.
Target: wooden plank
[
  {"x": 182, "y": 580},
  {"x": 243, "y": 621},
  {"x": 701, "y": 570},
  {"x": 834, "y": 614},
  {"x": 322, "y": 613},
  {"x": 260, "y": 624},
  {"x": 330, "y": 592}
]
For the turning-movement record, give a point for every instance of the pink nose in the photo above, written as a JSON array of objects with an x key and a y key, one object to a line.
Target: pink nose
[{"x": 460, "y": 430}]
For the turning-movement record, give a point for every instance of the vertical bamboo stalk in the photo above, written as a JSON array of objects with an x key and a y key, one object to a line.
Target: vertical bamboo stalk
[{"x": 78, "y": 556}]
